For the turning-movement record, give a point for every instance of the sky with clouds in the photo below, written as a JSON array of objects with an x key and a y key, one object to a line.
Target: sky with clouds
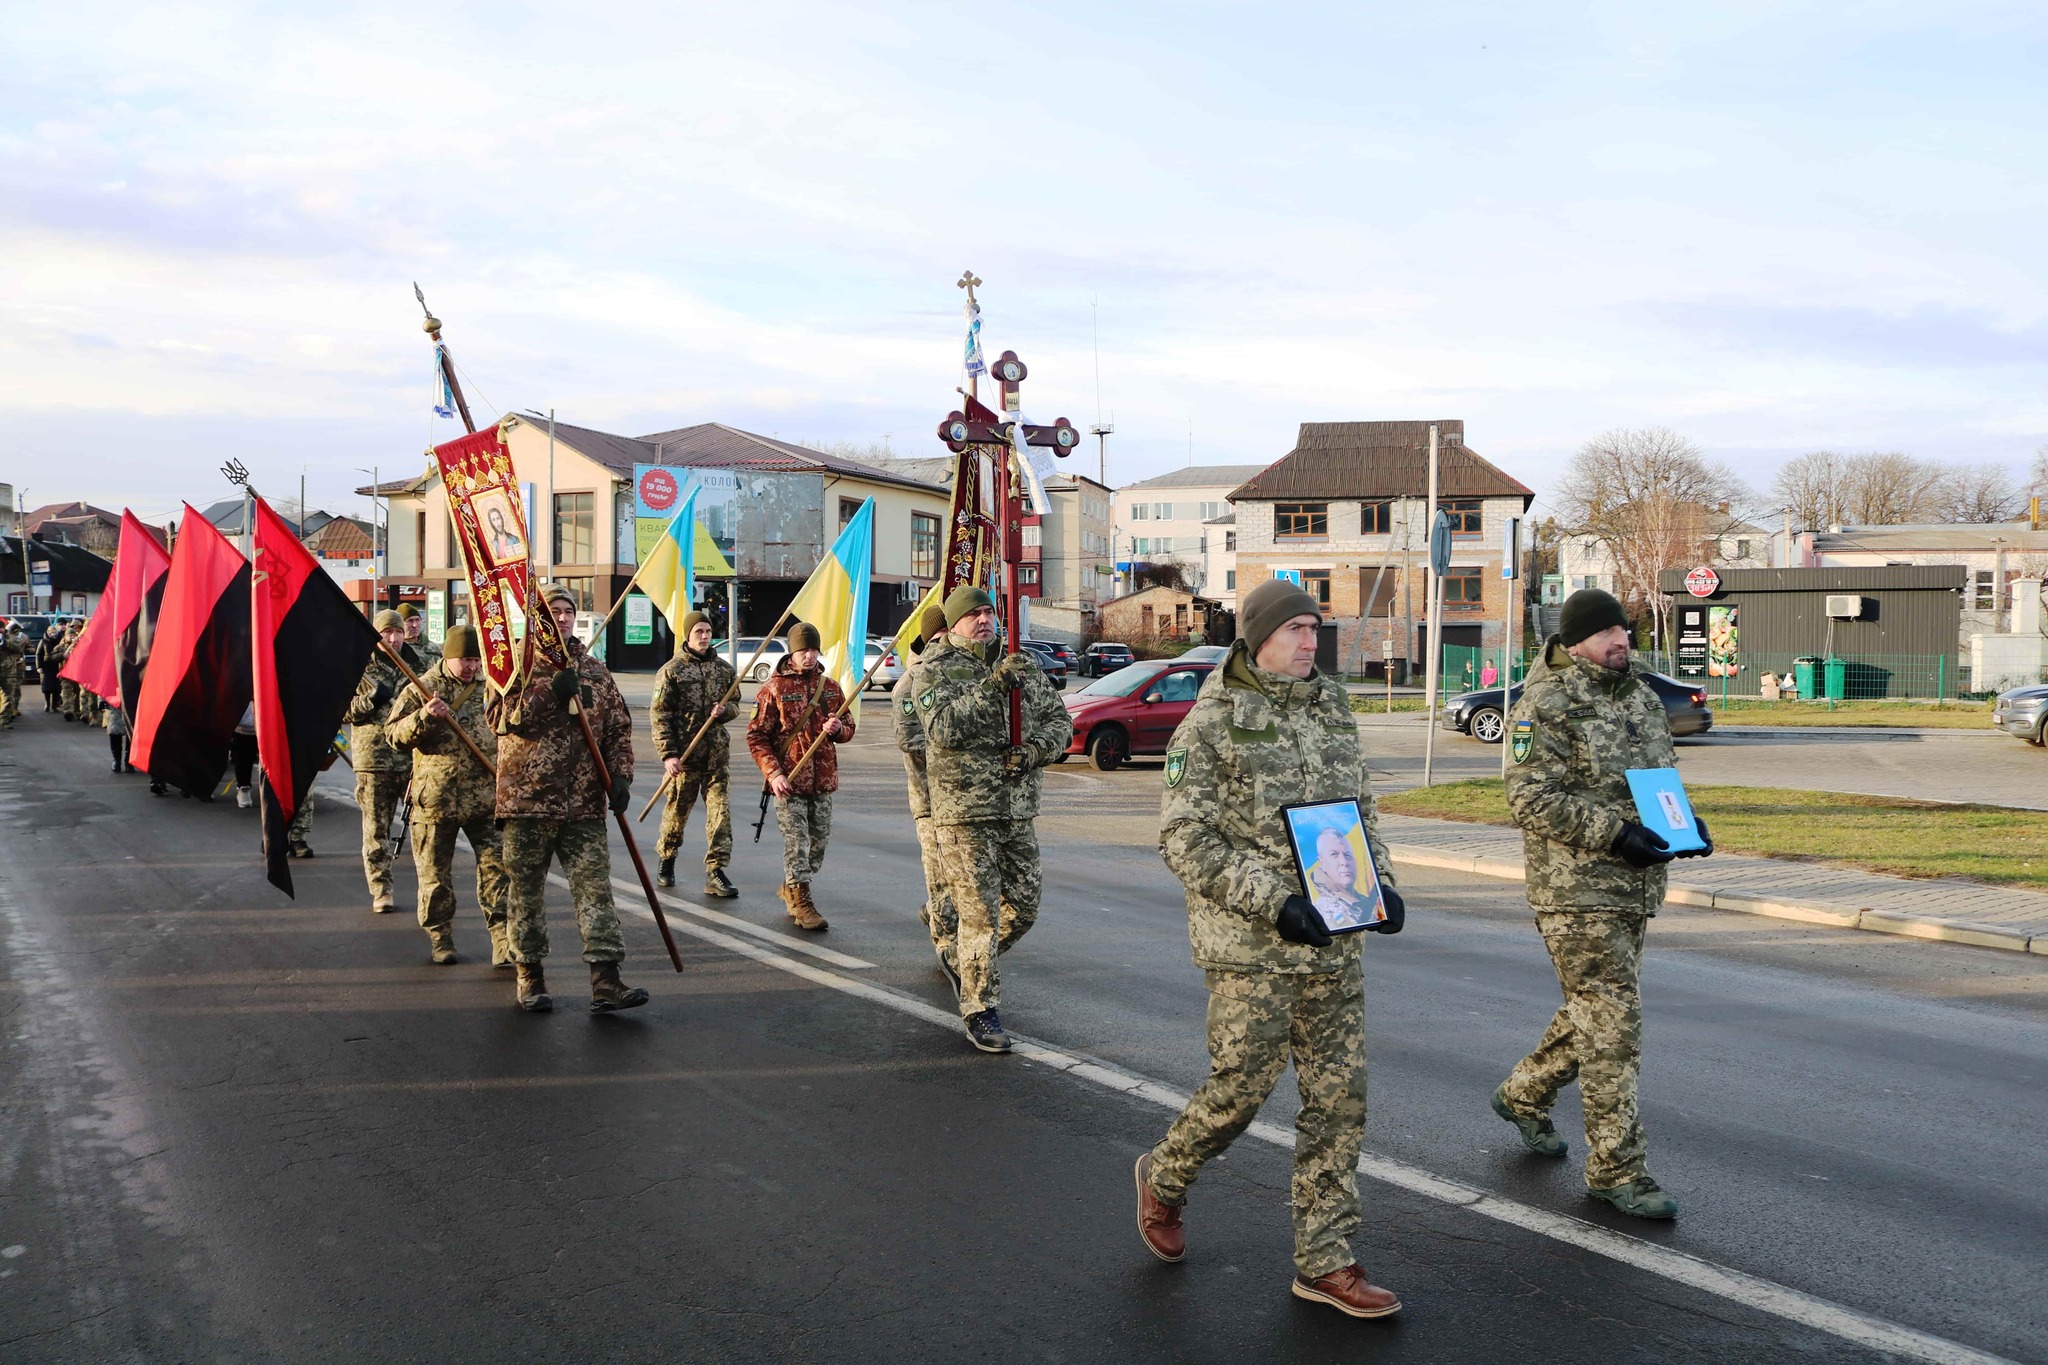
[{"x": 1775, "y": 227}]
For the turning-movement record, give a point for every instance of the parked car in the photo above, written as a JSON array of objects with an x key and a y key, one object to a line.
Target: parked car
[
  {"x": 1048, "y": 663},
  {"x": 1481, "y": 714},
  {"x": 1064, "y": 653},
  {"x": 1205, "y": 654},
  {"x": 35, "y": 628},
  {"x": 770, "y": 656},
  {"x": 1133, "y": 710},
  {"x": 2023, "y": 711},
  {"x": 892, "y": 668},
  {"x": 1103, "y": 659}
]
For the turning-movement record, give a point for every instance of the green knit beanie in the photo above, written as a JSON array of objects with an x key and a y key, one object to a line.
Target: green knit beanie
[
  {"x": 965, "y": 600},
  {"x": 1270, "y": 606}
]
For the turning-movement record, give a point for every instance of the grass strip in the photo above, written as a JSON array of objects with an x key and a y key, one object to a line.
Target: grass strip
[
  {"x": 1951, "y": 715},
  {"x": 1993, "y": 844}
]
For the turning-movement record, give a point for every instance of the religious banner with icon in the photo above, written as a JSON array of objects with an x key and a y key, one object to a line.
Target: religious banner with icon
[{"x": 484, "y": 503}]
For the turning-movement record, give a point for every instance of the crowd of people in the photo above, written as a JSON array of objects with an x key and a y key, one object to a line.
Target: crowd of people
[{"x": 527, "y": 777}]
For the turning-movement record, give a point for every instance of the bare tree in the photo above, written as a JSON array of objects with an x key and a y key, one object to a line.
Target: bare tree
[
  {"x": 1655, "y": 501},
  {"x": 2037, "y": 476},
  {"x": 1810, "y": 486},
  {"x": 853, "y": 450},
  {"x": 1888, "y": 489},
  {"x": 1975, "y": 493}
]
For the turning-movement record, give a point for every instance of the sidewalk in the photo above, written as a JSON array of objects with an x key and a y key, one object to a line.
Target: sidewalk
[{"x": 1946, "y": 909}]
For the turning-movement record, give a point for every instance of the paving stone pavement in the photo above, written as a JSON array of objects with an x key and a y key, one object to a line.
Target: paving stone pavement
[{"x": 1947, "y": 909}]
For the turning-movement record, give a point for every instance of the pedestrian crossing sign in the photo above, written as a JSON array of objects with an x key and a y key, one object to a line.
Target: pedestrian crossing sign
[{"x": 1523, "y": 740}]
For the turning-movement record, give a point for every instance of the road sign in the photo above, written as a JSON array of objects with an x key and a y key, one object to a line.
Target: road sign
[
  {"x": 1702, "y": 582},
  {"x": 39, "y": 573},
  {"x": 1440, "y": 544},
  {"x": 1511, "y": 550},
  {"x": 1288, "y": 576}
]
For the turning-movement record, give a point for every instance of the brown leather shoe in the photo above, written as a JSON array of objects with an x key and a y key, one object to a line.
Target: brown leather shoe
[
  {"x": 442, "y": 944},
  {"x": 1158, "y": 1221},
  {"x": 804, "y": 910},
  {"x": 532, "y": 989},
  {"x": 608, "y": 993},
  {"x": 1347, "y": 1291}
]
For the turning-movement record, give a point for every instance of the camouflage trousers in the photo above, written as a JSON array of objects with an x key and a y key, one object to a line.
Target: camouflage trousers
[
  {"x": 806, "y": 825},
  {"x": 938, "y": 914},
  {"x": 378, "y": 793},
  {"x": 1596, "y": 1037},
  {"x": 1257, "y": 1021},
  {"x": 991, "y": 875},
  {"x": 10, "y": 694},
  {"x": 71, "y": 705},
  {"x": 302, "y": 821},
  {"x": 712, "y": 784},
  {"x": 433, "y": 861},
  {"x": 530, "y": 846}
]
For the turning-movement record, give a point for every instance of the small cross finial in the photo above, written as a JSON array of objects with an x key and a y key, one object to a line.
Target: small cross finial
[{"x": 967, "y": 282}]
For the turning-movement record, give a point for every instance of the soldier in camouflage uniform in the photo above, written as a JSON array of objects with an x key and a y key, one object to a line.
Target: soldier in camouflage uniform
[
  {"x": 938, "y": 915},
  {"x": 1268, "y": 731},
  {"x": 984, "y": 794},
  {"x": 693, "y": 687},
  {"x": 551, "y": 804},
  {"x": 452, "y": 793},
  {"x": 14, "y": 649},
  {"x": 1595, "y": 876},
  {"x": 73, "y": 704},
  {"x": 794, "y": 707},
  {"x": 381, "y": 771},
  {"x": 416, "y": 640}
]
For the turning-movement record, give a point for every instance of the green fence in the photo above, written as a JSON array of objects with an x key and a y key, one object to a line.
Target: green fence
[{"x": 1845, "y": 677}]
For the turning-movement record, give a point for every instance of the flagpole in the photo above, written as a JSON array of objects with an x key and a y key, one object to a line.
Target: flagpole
[
  {"x": 844, "y": 703},
  {"x": 729, "y": 694},
  {"x": 415, "y": 680}
]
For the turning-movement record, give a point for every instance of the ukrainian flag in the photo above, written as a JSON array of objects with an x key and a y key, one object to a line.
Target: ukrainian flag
[
  {"x": 669, "y": 573},
  {"x": 835, "y": 600}
]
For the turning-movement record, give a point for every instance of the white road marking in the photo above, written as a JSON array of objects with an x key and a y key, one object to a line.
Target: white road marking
[{"x": 1736, "y": 1286}]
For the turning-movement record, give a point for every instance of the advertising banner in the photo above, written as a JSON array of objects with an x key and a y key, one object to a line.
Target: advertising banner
[
  {"x": 1724, "y": 642},
  {"x": 1692, "y": 640}
]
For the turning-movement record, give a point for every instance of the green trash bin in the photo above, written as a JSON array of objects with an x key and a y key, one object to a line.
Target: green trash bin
[
  {"x": 1837, "y": 679},
  {"x": 1803, "y": 673}
]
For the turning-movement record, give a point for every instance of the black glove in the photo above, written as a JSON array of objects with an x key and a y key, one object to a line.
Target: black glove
[
  {"x": 1299, "y": 923},
  {"x": 383, "y": 692},
  {"x": 1707, "y": 838},
  {"x": 622, "y": 794},
  {"x": 1639, "y": 847},
  {"x": 1397, "y": 913},
  {"x": 564, "y": 687}
]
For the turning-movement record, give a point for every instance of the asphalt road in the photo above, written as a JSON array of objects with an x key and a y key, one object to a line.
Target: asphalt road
[{"x": 239, "y": 1128}]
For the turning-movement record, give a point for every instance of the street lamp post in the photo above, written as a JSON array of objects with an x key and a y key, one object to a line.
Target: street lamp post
[{"x": 375, "y": 539}]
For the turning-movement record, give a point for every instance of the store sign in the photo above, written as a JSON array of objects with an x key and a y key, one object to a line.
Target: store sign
[
  {"x": 1692, "y": 640},
  {"x": 639, "y": 619},
  {"x": 437, "y": 616},
  {"x": 1702, "y": 582}
]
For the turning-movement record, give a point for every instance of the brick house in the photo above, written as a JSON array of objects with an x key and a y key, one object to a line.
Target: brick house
[{"x": 1347, "y": 509}]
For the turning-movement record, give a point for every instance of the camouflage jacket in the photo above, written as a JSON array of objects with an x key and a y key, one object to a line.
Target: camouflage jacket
[
  {"x": 1254, "y": 742},
  {"x": 965, "y": 711},
  {"x": 910, "y": 739},
  {"x": 790, "y": 711},
  {"x": 368, "y": 750},
  {"x": 685, "y": 690},
  {"x": 13, "y": 647},
  {"x": 544, "y": 767},
  {"x": 447, "y": 781},
  {"x": 1575, "y": 733},
  {"x": 429, "y": 654}
]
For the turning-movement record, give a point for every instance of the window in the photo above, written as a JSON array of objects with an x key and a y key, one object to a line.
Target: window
[
  {"x": 1462, "y": 589},
  {"x": 849, "y": 508},
  {"x": 1183, "y": 684},
  {"x": 1027, "y": 574},
  {"x": 1034, "y": 535},
  {"x": 1376, "y": 519},
  {"x": 1211, "y": 510},
  {"x": 575, "y": 541},
  {"x": 1742, "y": 549},
  {"x": 1299, "y": 520},
  {"x": 585, "y": 589},
  {"x": 419, "y": 543},
  {"x": 1141, "y": 512},
  {"x": 1316, "y": 582},
  {"x": 454, "y": 556},
  {"x": 924, "y": 545},
  {"x": 1465, "y": 516},
  {"x": 1140, "y": 546},
  {"x": 1229, "y": 541},
  {"x": 1162, "y": 511},
  {"x": 1230, "y": 580},
  {"x": 1986, "y": 595}
]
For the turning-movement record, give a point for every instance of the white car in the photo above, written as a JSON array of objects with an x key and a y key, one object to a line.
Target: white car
[
  {"x": 891, "y": 667},
  {"x": 771, "y": 654}
]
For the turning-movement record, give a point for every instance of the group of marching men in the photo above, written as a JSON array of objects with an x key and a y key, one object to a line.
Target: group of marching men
[{"x": 975, "y": 728}]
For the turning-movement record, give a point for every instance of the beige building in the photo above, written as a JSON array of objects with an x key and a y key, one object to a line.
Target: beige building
[
  {"x": 1164, "y": 520},
  {"x": 773, "y": 506}
]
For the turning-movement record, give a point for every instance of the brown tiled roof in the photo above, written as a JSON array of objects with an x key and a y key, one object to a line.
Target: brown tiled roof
[
  {"x": 717, "y": 446},
  {"x": 1368, "y": 460}
]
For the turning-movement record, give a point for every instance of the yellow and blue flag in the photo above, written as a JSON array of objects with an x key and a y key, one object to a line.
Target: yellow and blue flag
[
  {"x": 669, "y": 573},
  {"x": 835, "y": 600}
]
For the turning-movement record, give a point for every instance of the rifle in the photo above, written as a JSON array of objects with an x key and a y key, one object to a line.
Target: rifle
[
  {"x": 767, "y": 795},
  {"x": 404, "y": 818}
]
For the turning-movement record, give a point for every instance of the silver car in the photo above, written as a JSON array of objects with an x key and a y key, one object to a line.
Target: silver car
[
  {"x": 2023, "y": 711},
  {"x": 891, "y": 668},
  {"x": 771, "y": 655}
]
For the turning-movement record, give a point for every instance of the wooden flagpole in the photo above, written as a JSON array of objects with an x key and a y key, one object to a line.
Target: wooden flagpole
[
  {"x": 453, "y": 724},
  {"x": 844, "y": 703},
  {"x": 730, "y": 693}
]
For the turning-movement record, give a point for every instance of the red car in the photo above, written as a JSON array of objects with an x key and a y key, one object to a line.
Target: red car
[{"x": 1133, "y": 710}]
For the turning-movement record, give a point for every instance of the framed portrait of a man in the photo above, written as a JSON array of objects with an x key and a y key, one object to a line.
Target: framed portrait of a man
[{"x": 1335, "y": 863}]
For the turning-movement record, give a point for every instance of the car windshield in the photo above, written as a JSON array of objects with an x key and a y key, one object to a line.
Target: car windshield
[{"x": 1124, "y": 681}]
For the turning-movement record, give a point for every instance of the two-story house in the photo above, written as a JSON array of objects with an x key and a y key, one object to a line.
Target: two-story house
[{"x": 1348, "y": 511}]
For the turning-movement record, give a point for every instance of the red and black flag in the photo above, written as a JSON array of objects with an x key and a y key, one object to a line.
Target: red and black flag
[
  {"x": 100, "y": 661},
  {"x": 309, "y": 648},
  {"x": 196, "y": 683}
]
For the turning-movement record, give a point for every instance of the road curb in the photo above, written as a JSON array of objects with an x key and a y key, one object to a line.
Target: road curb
[{"x": 1942, "y": 930}]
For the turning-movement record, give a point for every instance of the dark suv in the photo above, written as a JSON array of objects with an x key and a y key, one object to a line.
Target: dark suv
[
  {"x": 1048, "y": 662},
  {"x": 1100, "y": 660}
]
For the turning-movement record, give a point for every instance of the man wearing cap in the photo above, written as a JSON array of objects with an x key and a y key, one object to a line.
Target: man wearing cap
[
  {"x": 73, "y": 704},
  {"x": 451, "y": 792},
  {"x": 1595, "y": 876},
  {"x": 794, "y": 707},
  {"x": 416, "y": 637},
  {"x": 1268, "y": 731},
  {"x": 381, "y": 771},
  {"x": 937, "y": 914},
  {"x": 14, "y": 649},
  {"x": 692, "y": 688},
  {"x": 551, "y": 800},
  {"x": 984, "y": 792}
]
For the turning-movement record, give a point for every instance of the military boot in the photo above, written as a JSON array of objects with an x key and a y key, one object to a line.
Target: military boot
[
  {"x": 443, "y": 944},
  {"x": 608, "y": 993},
  {"x": 533, "y": 989},
  {"x": 665, "y": 875},
  {"x": 804, "y": 910},
  {"x": 1643, "y": 1198},
  {"x": 501, "y": 947},
  {"x": 1537, "y": 1134},
  {"x": 716, "y": 883}
]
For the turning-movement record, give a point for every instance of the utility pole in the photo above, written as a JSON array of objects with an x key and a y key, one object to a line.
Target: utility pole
[
  {"x": 1511, "y": 574},
  {"x": 1435, "y": 586},
  {"x": 550, "y": 518}
]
